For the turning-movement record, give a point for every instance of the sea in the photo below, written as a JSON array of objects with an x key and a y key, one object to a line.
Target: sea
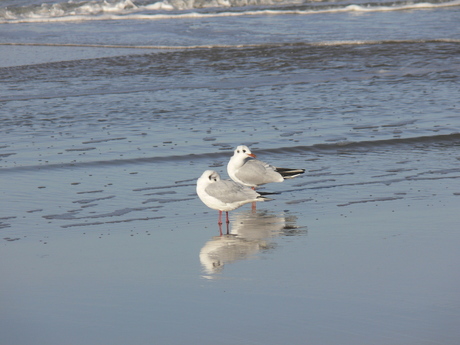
[{"x": 111, "y": 109}]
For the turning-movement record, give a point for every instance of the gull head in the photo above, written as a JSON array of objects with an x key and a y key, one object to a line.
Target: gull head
[
  {"x": 243, "y": 151},
  {"x": 208, "y": 177}
]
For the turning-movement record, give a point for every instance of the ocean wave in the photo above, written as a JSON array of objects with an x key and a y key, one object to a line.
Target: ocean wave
[
  {"x": 65, "y": 9},
  {"x": 237, "y": 46},
  {"x": 179, "y": 9},
  {"x": 345, "y": 146},
  {"x": 420, "y": 142}
]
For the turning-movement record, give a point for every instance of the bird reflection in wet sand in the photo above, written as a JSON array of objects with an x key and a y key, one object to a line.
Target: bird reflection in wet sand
[{"x": 250, "y": 234}]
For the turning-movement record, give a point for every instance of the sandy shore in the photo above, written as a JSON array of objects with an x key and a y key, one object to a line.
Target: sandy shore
[
  {"x": 103, "y": 255},
  {"x": 104, "y": 241}
]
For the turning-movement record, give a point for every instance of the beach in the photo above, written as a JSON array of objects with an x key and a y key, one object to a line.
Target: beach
[{"x": 111, "y": 111}]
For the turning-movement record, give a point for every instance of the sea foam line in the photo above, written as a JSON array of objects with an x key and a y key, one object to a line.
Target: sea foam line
[
  {"x": 226, "y": 46},
  {"x": 162, "y": 16}
]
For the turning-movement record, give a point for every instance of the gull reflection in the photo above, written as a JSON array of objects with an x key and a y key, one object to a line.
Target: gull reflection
[{"x": 249, "y": 234}]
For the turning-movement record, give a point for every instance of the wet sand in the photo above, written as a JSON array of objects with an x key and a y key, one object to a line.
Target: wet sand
[
  {"x": 104, "y": 241},
  {"x": 126, "y": 252}
]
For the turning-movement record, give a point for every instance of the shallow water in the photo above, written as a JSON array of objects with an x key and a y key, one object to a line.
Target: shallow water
[{"x": 107, "y": 122}]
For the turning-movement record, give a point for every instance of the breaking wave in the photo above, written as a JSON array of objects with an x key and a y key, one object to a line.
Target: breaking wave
[{"x": 176, "y": 9}]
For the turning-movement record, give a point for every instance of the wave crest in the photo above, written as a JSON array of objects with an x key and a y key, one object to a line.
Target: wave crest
[
  {"x": 67, "y": 9},
  {"x": 129, "y": 9}
]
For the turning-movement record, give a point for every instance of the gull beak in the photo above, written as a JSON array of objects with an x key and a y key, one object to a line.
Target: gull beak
[{"x": 252, "y": 155}]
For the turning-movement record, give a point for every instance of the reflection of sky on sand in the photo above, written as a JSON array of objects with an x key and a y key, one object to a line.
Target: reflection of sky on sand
[{"x": 250, "y": 233}]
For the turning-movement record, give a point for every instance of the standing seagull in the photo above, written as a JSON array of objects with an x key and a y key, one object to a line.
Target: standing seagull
[
  {"x": 244, "y": 169},
  {"x": 224, "y": 195}
]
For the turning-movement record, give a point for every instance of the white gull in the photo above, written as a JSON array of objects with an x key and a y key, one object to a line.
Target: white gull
[
  {"x": 245, "y": 169},
  {"x": 224, "y": 195}
]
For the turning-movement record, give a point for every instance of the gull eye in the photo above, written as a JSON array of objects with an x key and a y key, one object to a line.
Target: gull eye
[
  {"x": 210, "y": 177},
  {"x": 244, "y": 151},
  {"x": 237, "y": 151},
  {"x": 215, "y": 180}
]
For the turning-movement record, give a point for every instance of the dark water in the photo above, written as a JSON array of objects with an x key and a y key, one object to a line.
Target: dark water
[{"x": 110, "y": 111}]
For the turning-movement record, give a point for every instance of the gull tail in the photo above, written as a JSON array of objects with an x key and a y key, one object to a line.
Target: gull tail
[
  {"x": 290, "y": 173},
  {"x": 268, "y": 193},
  {"x": 263, "y": 198}
]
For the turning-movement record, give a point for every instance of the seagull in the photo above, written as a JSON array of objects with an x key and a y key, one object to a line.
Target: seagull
[
  {"x": 224, "y": 195},
  {"x": 243, "y": 168}
]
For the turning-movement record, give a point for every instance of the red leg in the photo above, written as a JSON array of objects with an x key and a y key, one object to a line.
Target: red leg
[
  {"x": 220, "y": 218},
  {"x": 228, "y": 221},
  {"x": 254, "y": 203}
]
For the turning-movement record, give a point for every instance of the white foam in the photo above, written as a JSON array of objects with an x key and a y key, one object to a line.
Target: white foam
[
  {"x": 213, "y": 46},
  {"x": 126, "y": 10}
]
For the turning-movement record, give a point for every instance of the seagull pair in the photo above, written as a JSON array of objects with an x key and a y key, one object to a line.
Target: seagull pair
[{"x": 247, "y": 173}]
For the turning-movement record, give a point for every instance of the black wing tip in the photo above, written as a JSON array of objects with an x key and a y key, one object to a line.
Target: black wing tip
[
  {"x": 268, "y": 193},
  {"x": 290, "y": 173},
  {"x": 262, "y": 196}
]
